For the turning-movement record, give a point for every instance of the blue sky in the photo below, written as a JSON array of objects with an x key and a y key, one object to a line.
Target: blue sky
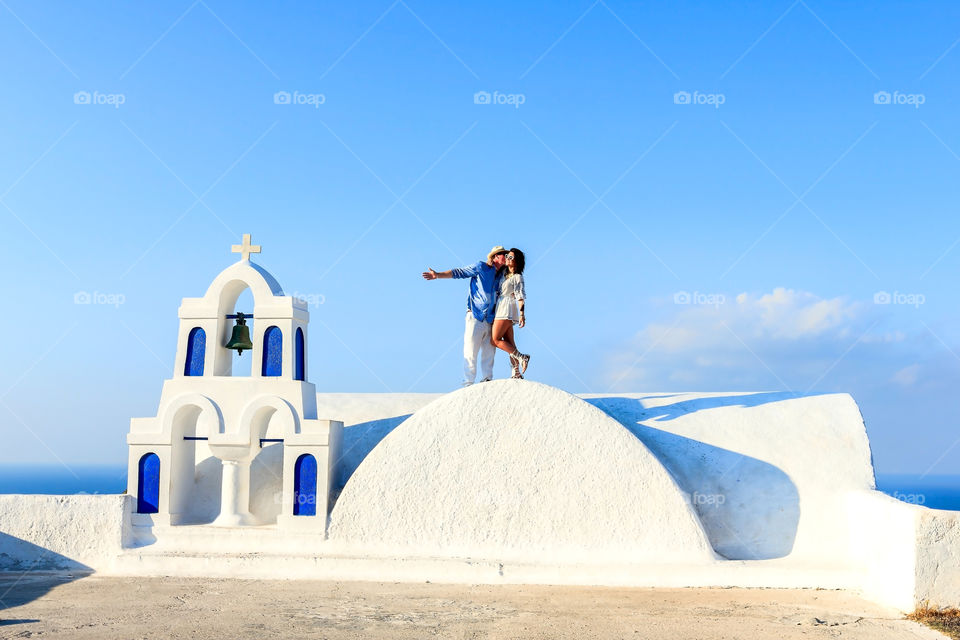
[{"x": 733, "y": 241}]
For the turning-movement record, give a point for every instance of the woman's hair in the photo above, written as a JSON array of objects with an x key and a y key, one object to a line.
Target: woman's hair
[{"x": 518, "y": 260}]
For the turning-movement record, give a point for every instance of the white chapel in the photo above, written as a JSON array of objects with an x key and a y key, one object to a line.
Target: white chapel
[{"x": 236, "y": 448}]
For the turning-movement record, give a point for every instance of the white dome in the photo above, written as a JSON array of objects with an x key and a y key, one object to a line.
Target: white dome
[{"x": 514, "y": 469}]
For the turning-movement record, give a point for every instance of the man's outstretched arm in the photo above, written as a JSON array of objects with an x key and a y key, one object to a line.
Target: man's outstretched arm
[
  {"x": 435, "y": 275},
  {"x": 462, "y": 272}
]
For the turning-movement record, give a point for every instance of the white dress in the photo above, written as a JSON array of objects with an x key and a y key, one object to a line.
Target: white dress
[{"x": 511, "y": 292}]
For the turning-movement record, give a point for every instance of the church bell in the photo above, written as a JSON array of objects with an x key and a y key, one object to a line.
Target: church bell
[{"x": 241, "y": 336}]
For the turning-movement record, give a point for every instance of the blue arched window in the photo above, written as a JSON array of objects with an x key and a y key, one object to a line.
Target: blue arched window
[
  {"x": 148, "y": 484},
  {"x": 300, "y": 369},
  {"x": 305, "y": 486},
  {"x": 272, "y": 352},
  {"x": 196, "y": 350}
]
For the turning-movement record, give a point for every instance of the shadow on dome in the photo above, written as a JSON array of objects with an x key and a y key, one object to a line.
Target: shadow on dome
[
  {"x": 749, "y": 508},
  {"x": 358, "y": 441},
  {"x": 686, "y": 407}
]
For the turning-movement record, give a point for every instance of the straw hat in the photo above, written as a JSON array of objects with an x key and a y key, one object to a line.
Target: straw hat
[{"x": 497, "y": 249}]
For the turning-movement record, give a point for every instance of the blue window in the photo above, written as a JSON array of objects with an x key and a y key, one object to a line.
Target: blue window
[
  {"x": 196, "y": 349},
  {"x": 299, "y": 371},
  {"x": 148, "y": 484},
  {"x": 305, "y": 486},
  {"x": 272, "y": 352}
]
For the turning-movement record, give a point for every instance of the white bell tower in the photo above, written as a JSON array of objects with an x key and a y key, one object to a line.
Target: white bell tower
[{"x": 191, "y": 463}]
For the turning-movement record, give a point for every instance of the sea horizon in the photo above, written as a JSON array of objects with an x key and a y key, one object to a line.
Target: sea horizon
[{"x": 936, "y": 491}]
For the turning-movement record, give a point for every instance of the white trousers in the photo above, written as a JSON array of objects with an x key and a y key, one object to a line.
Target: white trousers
[{"x": 476, "y": 339}]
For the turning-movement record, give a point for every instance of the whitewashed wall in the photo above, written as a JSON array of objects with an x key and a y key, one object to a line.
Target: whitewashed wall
[{"x": 61, "y": 533}]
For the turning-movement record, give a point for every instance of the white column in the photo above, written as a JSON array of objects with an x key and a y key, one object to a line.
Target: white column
[{"x": 235, "y": 497}]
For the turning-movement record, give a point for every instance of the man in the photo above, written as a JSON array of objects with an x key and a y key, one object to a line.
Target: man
[{"x": 481, "y": 307}]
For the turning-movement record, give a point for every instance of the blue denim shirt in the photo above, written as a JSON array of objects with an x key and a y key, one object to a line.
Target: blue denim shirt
[{"x": 483, "y": 289}]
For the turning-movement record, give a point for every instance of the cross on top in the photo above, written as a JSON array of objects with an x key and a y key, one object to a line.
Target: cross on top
[{"x": 246, "y": 248}]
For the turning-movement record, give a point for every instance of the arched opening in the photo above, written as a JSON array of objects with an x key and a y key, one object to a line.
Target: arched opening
[
  {"x": 266, "y": 483},
  {"x": 148, "y": 484},
  {"x": 196, "y": 352},
  {"x": 241, "y": 364},
  {"x": 300, "y": 369},
  {"x": 266, "y": 470},
  {"x": 195, "y": 473},
  {"x": 305, "y": 486},
  {"x": 272, "y": 352}
]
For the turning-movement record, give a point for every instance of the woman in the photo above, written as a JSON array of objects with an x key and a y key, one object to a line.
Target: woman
[{"x": 510, "y": 312}]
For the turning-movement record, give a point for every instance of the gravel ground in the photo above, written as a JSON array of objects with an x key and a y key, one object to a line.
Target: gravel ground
[{"x": 45, "y": 606}]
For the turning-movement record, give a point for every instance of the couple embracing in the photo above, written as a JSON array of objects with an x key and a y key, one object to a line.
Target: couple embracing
[{"x": 494, "y": 305}]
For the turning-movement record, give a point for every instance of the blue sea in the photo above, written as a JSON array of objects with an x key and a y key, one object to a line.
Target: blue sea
[
  {"x": 59, "y": 480},
  {"x": 934, "y": 491}
]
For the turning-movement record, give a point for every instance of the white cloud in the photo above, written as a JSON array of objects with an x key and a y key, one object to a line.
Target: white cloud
[
  {"x": 907, "y": 376},
  {"x": 796, "y": 314},
  {"x": 784, "y": 338}
]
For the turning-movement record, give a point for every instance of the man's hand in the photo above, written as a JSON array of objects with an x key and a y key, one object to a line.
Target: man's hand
[{"x": 430, "y": 275}]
